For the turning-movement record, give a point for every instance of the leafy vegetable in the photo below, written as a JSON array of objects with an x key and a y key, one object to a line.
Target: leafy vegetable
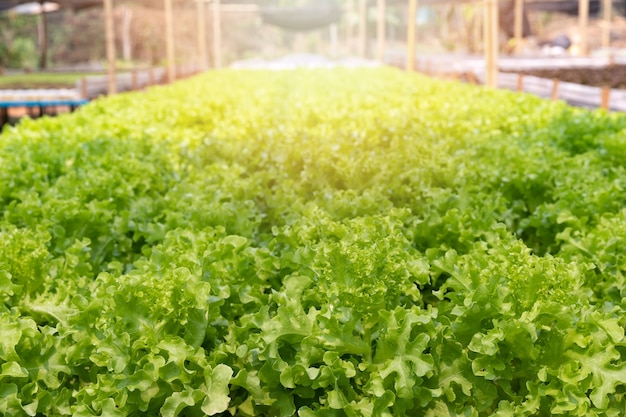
[{"x": 314, "y": 243}]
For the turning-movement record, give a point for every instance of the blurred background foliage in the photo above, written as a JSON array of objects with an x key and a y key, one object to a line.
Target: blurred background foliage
[{"x": 76, "y": 38}]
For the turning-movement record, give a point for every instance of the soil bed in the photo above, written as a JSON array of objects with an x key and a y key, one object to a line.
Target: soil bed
[
  {"x": 42, "y": 80},
  {"x": 613, "y": 76}
]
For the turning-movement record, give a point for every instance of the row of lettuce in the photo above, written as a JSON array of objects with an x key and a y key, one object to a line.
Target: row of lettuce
[{"x": 314, "y": 243}]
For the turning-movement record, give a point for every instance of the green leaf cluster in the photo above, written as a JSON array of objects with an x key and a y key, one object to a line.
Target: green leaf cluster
[{"x": 314, "y": 243}]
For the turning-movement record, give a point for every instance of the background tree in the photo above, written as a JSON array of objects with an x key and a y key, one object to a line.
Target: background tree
[{"x": 18, "y": 41}]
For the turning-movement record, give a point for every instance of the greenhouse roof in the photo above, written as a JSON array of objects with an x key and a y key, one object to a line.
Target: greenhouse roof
[{"x": 74, "y": 4}]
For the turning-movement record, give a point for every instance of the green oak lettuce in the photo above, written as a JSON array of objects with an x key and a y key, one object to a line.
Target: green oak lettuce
[{"x": 354, "y": 242}]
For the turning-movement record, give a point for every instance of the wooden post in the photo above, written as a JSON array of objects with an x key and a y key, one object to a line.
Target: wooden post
[
  {"x": 362, "y": 28},
  {"x": 410, "y": 56},
  {"x": 583, "y": 21},
  {"x": 491, "y": 43},
  {"x": 520, "y": 83},
  {"x": 519, "y": 25},
  {"x": 487, "y": 41},
  {"x": 4, "y": 116},
  {"x": 134, "y": 80},
  {"x": 84, "y": 92},
  {"x": 202, "y": 49},
  {"x": 127, "y": 16},
  {"x": 42, "y": 35},
  {"x": 442, "y": 19},
  {"x": 606, "y": 97},
  {"x": 349, "y": 13},
  {"x": 333, "y": 34},
  {"x": 555, "y": 89},
  {"x": 478, "y": 20},
  {"x": 217, "y": 33},
  {"x": 380, "y": 32},
  {"x": 606, "y": 28},
  {"x": 169, "y": 42},
  {"x": 110, "y": 46},
  {"x": 495, "y": 36}
]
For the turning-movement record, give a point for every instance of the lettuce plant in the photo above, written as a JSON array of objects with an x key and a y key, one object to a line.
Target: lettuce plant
[{"x": 314, "y": 243}]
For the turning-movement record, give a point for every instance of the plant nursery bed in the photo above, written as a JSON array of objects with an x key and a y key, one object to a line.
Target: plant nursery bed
[{"x": 613, "y": 76}]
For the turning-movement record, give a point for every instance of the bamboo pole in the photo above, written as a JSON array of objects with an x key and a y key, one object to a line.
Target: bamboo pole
[
  {"x": 110, "y": 46},
  {"x": 478, "y": 20},
  {"x": 217, "y": 33},
  {"x": 555, "y": 89},
  {"x": 495, "y": 36},
  {"x": 444, "y": 30},
  {"x": 333, "y": 35},
  {"x": 349, "y": 13},
  {"x": 491, "y": 43},
  {"x": 487, "y": 41},
  {"x": 583, "y": 22},
  {"x": 84, "y": 92},
  {"x": 606, "y": 28},
  {"x": 519, "y": 25},
  {"x": 202, "y": 47},
  {"x": 380, "y": 32},
  {"x": 127, "y": 50},
  {"x": 169, "y": 41},
  {"x": 362, "y": 27},
  {"x": 606, "y": 97},
  {"x": 42, "y": 36},
  {"x": 410, "y": 56}
]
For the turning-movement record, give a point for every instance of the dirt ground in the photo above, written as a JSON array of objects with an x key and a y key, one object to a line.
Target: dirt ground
[
  {"x": 613, "y": 76},
  {"x": 548, "y": 26}
]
